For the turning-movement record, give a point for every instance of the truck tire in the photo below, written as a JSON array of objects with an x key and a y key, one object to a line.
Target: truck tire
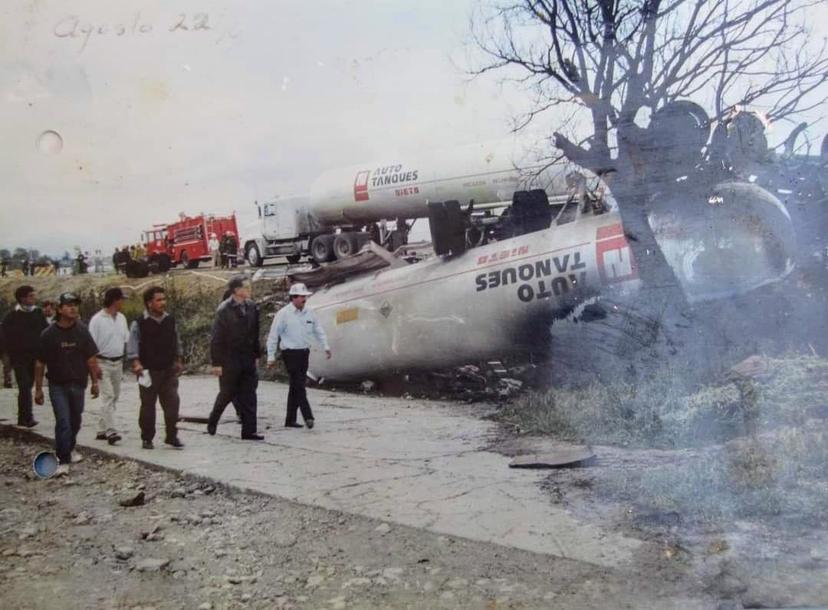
[
  {"x": 164, "y": 263},
  {"x": 253, "y": 256},
  {"x": 293, "y": 259},
  {"x": 187, "y": 262},
  {"x": 322, "y": 248},
  {"x": 345, "y": 245}
]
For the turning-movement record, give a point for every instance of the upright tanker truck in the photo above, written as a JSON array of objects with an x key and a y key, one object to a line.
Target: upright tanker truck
[{"x": 347, "y": 207}]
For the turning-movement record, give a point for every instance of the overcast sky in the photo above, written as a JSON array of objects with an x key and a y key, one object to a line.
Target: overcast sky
[
  {"x": 251, "y": 100},
  {"x": 155, "y": 122}
]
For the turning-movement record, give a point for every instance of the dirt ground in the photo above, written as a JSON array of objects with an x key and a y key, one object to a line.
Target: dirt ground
[{"x": 68, "y": 543}]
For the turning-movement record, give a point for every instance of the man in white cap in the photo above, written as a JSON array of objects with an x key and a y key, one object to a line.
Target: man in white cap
[
  {"x": 214, "y": 246},
  {"x": 290, "y": 333}
]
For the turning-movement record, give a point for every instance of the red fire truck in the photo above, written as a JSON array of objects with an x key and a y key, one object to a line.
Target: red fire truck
[{"x": 185, "y": 242}]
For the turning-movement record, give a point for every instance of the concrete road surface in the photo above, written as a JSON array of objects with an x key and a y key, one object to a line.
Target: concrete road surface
[{"x": 418, "y": 463}]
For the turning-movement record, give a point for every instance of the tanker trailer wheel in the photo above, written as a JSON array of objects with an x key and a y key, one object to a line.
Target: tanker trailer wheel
[
  {"x": 322, "y": 248},
  {"x": 345, "y": 245},
  {"x": 164, "y": 263},
  {"x": 253, "y": 256}
]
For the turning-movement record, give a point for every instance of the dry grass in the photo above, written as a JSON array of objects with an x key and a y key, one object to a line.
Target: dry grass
[
  {"x": 755, "y": 450},
  {"x": 661, "y": 411}
]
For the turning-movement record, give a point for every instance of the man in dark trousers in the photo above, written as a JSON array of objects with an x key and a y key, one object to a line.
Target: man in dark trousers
[
  {"x": 291, "y": 332},
  {"x": 234, "y": 349},
  {"x": 67, "y": 354},
  {"x": 155, "y": 351},
  {"x": 21, "y": 333}
]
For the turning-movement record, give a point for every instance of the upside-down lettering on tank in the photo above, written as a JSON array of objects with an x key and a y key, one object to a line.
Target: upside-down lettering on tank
[{"x": 541, "y": 279}]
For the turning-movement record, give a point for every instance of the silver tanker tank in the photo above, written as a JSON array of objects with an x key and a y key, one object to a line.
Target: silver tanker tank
[{"x": 483, "y": 173}]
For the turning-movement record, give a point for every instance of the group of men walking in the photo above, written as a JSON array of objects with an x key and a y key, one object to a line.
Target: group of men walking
[
  {"x": 235, "y": 349},
  {"x": 71, "y": 356}
]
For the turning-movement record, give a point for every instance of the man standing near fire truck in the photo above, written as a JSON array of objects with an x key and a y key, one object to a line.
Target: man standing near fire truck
[
  {"x": 229, "y": 250},
  {"x": 215, "y": 250}
]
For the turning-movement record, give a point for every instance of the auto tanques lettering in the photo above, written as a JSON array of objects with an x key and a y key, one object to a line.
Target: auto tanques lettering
[
  {"x": 393, "y": 174},
  {"x": 533, "y": 278}
]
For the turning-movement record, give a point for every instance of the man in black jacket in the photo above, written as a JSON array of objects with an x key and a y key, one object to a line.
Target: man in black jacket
[
  {"x": 155, "y": 351},
  {"x": 234, "y": 349},
  {"x": 21, "y": 334}
]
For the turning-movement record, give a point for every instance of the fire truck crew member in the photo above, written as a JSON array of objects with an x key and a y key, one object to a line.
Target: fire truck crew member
[
  {"x": 67, "y": 353},
  {"x": 154, "y": 348},
  {"x": 290, "y": 332},
  {"x": 21, "y": 332},
  {"x": 234, "y": 349},
  {"x": 215, "y": 252},
  {"x": 109, "y": 329}
]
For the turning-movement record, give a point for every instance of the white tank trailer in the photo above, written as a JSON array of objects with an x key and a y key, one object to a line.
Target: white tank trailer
[{"x": 343, "y": 206}]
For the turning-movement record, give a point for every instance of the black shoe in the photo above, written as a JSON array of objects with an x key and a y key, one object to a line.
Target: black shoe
[
  {"x": 113, "y": 438},
  {"x": 147, "y": 445},
  {"x": 28, "y": 424},
  {"x": 174, "y": 442},
  {"x": 8, "y": 385},
  {"x": 252, "y": 437},
  {"x": 101, "y": 436},
  {"x": 294, "y": 425},
  {"x": 211, "y": 429},
  {"x": 309, "y": 423}
]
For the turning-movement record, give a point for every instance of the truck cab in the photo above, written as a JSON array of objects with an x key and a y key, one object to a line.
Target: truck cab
[{"x": 283, "y": 229}]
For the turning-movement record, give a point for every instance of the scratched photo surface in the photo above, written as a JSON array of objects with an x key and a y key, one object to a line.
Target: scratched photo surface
[{"x": 566, "y": 270}]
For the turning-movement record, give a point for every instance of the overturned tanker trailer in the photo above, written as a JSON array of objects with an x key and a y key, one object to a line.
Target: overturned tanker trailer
[
  {"x": 500, "y": 298},
  {"x": 497, "y": 282}
]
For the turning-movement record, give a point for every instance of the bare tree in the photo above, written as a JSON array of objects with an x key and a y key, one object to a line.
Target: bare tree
[{"x": 612, "y": 58}]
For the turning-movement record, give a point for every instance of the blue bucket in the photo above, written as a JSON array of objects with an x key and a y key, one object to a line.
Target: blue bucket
[{"x": 45, "y": 464}]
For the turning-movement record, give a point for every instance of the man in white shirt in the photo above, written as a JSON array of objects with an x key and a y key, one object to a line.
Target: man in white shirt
[
  {"x": 291, "y": 332},
  {"x": 213, "y": 246},
  {"x": 109, "y": 329}
]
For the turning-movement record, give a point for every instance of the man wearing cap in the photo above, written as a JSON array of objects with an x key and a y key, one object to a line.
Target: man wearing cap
[
  {"x": 291, "y": 332},
  {"x": 234, "y": 349},
  {"x": 229, "y": 247},
  {"x": 109, "y": 330},
  {"x": 21, "y": 334},
  {"x": 67, "y": 354},
  {"x": 213, "y": 245},
  {"x": 154, "y": 348}
]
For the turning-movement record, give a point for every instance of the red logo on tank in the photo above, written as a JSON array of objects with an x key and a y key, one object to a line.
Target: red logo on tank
[
  {"x": 361, "y": 185},
  {"x": 615, "y": 259}
]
